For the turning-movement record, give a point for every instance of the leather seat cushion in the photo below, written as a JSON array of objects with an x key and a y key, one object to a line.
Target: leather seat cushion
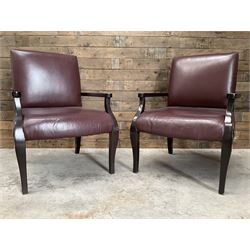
[
  {"x": 184, "y": 123},
  {"x": 63, "y": 122}
]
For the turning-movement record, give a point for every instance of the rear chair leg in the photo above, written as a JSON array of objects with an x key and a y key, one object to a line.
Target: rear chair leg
[
  {"x": 77, "y": 144},
  {"x": 170, "y": 145},
  {"x": 113, "y": 141},
  {"x": 134, "y": 137}
]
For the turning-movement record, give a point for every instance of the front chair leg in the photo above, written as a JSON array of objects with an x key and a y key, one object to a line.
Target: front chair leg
[
  {"x": 20, "y": 148},
  {"x": 170, "y": 145},
  {"x": 113, "y": 141},
  {"x": 225, "y": 156},
  {"x": 77, "y": 144},
  {"x": 134, "y": 137}
]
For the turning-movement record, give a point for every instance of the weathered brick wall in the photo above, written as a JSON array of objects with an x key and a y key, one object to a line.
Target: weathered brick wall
[{"x": 125, "y": 63}]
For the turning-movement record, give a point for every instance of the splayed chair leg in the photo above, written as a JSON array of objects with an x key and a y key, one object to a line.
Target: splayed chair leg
[
  {"x": 113, "y": 141},
  {"x": 225, "y": 157},
  {"x": 20, "y": 147},
  {"x": 226, "y": 149},
  {"x": 170, "y": 145},
  {"x": 77, "y": 144},
  {"x": 134, "y": 137}
]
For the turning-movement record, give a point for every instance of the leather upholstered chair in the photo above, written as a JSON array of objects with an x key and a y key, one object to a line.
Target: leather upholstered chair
[
  {"x": 200, "y": 106},
  {"x": 47, "y": 96}
]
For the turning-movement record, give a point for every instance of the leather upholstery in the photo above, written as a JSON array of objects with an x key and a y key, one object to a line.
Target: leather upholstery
[
  {"x": 62, "y": 122},
  {"x": 203, "y": 80},
  {"x": 46, "y": 79},
  {"x": 51, "y": 97},
  {"x": 184, "y": 123},
  {"x": 197, "y": 98}
]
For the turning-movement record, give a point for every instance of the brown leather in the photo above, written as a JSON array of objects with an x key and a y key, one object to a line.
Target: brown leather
[
  {"x": 51, "y": 97},
  {"x": 203, "y": 80},
  {"x": 184, "y": 123},
  {"x": 46, "y": 79},
  {"x": 62, "y": 122},
  {"x": 197, "y": 98}
]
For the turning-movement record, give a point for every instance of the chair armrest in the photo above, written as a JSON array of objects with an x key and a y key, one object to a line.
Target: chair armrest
[
  {"x": 228, "y": 122},
  {"x": 232, "y": 96},
  {"x": 151, "y": 94},
  {"x": 107, "y": 97},
  {"x": 96, "y": 94},
  {"x": 17, "y": 102},
  {"x": 230, "y": 106},
  {"x": 142, "y": 102},
  {"x": 16, "y": 94},
  {"x": 18, "y": 123},
  {"x": 142, "y": 97}
]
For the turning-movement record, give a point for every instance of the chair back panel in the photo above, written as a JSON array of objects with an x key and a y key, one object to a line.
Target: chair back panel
[
  {"x": 203, "y": 80},
  {"x": 46, "y": 79}
]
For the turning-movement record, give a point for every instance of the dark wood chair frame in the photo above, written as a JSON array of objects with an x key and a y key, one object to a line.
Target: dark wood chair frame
[
  {"x": 226, "y": 144},
  {"x": 20, "y": 144}
]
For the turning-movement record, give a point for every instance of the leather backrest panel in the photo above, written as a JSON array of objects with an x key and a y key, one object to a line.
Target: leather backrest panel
[
  {"x": 203, "y": 80},
  {"x": 46, "y": 79}
]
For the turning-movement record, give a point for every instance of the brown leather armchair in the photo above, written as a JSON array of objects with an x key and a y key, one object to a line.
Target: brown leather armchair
[
  {"x": 200, "y": 106},
  {"x": 47, "y": 96}
]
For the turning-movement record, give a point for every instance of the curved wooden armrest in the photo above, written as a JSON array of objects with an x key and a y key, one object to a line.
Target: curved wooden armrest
[
  {"x": 142, "y": 95},
  {"x": 107, "y": 97},
  {"x": 97, "y": 94},
  {"x": 17, "y": 102},
  {"x": 230, "y": 107},
  {"x": 232, "y": 96},
  {"x": 142, "y": 102},
  {"x": 16, "y": 94}
]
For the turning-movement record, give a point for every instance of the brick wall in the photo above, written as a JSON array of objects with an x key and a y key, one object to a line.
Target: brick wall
[{"x": 125, "y": 63}]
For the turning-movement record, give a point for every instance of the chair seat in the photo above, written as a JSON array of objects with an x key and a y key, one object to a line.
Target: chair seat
[
  {"x": 63, "y": 122},
  {"x": 184, "y": 123}
]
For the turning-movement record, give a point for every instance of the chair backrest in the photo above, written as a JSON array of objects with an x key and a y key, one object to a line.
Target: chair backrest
[
  {"x": 202, "y": 80},
  {"x": 46, "y": 79}
]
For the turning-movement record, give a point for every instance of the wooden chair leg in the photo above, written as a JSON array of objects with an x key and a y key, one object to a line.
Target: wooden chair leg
[
  {"x": 135, "y": 142},
  {"x": 225, "y": 157},
  {"x": 20, "y": 148},
  {"x": 113, "y": 141},
  {"x": 170, "y": 145},
  {"x": 77, "y": 144}
]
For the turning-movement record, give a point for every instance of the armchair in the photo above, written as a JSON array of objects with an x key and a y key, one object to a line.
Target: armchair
[
  {"x": 200, "y": 106},
  {"x": 47, "y": 98}
]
